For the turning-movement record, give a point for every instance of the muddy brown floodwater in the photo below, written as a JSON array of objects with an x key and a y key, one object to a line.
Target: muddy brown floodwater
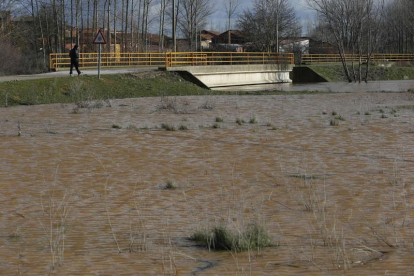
[
  {"x": 329, "y": 176},
  {"x": 340, "y": 87}
]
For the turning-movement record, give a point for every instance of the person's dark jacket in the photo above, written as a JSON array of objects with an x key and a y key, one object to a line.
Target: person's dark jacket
[{"x": 74, "y": 54}]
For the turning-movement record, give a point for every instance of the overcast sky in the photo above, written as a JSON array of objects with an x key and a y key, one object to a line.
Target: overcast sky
[{"x": 218, "y": 20}]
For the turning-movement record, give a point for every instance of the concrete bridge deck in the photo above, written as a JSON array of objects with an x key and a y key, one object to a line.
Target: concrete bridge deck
[{"x": 233, "y": 75}]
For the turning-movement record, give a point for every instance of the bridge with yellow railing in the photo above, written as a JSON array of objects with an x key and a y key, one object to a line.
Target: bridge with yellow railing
[
  {"x": 336, "y": 58},
  {"x": 174, "y": 59}
]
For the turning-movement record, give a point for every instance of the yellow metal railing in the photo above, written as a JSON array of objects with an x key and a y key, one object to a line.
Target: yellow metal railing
[
  {"x": 90, "y": 60},
  {"x": 393, "y": 57},
  {"x": 336, "y": 58},
  {"x": 226, "y": 58}
]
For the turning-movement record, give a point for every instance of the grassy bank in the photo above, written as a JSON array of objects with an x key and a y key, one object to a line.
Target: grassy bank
[
  {"x": 335, "y": 73},
  {"x": 89, "y": 88},
  {"x": 85, "y": 88}
]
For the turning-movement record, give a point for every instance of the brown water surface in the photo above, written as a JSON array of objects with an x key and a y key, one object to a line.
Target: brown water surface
[
  {"x": 80, "y": 196},
  {"x": 340, "y": 87}
]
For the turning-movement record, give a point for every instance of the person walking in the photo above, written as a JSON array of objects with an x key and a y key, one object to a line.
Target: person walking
[{"x": 74, "y": 60}]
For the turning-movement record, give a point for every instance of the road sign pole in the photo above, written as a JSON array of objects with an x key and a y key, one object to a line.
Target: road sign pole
[
  {"x": 99, "y": 62},
  {"x": 99, "y": 39}
]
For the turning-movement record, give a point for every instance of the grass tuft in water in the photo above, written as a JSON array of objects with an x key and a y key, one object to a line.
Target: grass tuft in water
[
  {"x": 168, "y": 127},
  {"x": 253, "y": 120},
  {"x": 183, "y": 127},
  {"x": 169, "y": 185},
  {"x": 221, "y": 238},
  {"x": 132, "y": 127},
  {"x": 339, "y": 118},
  {"x": 334, "y": 122},
  {"x": 240, "y": 121}
]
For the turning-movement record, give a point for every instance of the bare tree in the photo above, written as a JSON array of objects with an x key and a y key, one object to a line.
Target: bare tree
[
  {"x": 194, "y": 14},
  {"x": 374, "y": 31},
  {"x": 6, "y": 5},
  {"x": 115, "y": 16},
  {"x": 126, "y": 24},
  {"x": 230, "y": 7},
  {"x": 138, "y": 41},
  {"x": 77, "y": 7},
  {"x": 353, "y": 25},
  {"x": 144, "y": 24},
  {"x": 132, "y": 47},
  {"x": 268, "y": 22},
  {"x": 163, "y": 6},
  {"x": 95, "y": 16},
  {"x": 108, "y": 36},
  {"x": 63, "y": 25},
  {"x": 172, "y": 14},
  {"x": 399, "y": 31}
]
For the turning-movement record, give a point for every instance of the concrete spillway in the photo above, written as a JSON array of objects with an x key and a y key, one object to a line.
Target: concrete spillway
[{"x": 231, "y": 75}]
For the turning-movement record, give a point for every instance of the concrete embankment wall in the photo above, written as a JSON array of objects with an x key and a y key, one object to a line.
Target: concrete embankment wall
[
  {"x": 305, "y": 74},
  {"x": 232, "y": 75}
]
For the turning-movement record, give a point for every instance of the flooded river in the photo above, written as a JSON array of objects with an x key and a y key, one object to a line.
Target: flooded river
[
  {"x": 329, "y": 176},
  {"x": 343, "y": 87}
]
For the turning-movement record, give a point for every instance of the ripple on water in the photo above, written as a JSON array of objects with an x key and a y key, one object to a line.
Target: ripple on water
[{"x": 327, "y": 195}]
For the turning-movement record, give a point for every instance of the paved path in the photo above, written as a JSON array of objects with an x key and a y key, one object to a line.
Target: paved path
[{"x": 89, "y": 72}]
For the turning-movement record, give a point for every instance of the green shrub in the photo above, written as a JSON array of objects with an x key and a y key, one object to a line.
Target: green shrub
[{"x": 219, "y": 119}]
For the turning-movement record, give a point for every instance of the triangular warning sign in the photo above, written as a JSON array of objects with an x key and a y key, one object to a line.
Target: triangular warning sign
[{"x": 99, "y": 38}]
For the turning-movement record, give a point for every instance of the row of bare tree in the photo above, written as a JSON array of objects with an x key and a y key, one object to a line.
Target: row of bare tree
[
  {"x": 399, "y": 28},
  {"x": 359, "y": 28},
  {"x": 50, "y": 26}
]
